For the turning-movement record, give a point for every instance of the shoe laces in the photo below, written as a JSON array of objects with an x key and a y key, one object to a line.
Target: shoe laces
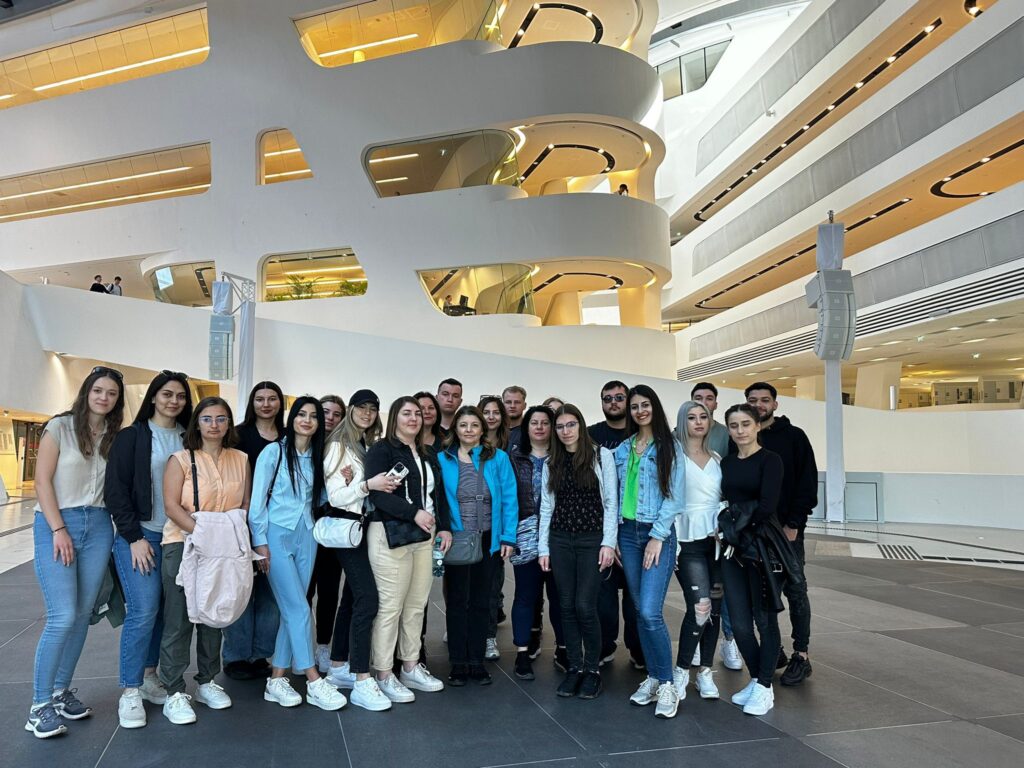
[
  {"x": 214, "y": 687},
  {"x": 46, "y": 714},
  {"x": 67, "y": 697},
  {"x": 179, "y": 700},
  {"x": 666, "y": 693}
]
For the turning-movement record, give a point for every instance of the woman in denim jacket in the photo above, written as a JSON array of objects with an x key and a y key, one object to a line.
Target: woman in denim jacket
[{"x": 649, "y": 466}]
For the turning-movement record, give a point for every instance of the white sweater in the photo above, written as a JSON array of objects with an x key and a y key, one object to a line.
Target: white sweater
[{"x": 342, "y": 494}]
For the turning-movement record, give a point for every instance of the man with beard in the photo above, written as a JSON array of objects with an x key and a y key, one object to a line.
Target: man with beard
[
  {"x": 798, "y": 498},
  {"x": 514, "y": 400},
  {"x": 608, "y": 434},
  {"x": 449, "y": 398}
]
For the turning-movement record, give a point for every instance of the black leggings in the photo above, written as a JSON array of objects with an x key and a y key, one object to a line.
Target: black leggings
[
  {"x": 468, "y": 606},
  {"x": 578, "y": 577},
  {"x": 700, "y": 576},
  {"x": 353, "y": 628},
  {"x": 744, "y": 594},
  {"x": 325, "y": 584}
]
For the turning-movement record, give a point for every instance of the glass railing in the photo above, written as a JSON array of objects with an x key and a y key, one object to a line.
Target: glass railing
[
  {"x": 379, "y": 28},
  {"x": 443, "y": 162},
  {"x": 312, "y": 275},
  {"x": 689, "y": 72},
  {"x": 495, "y": 289},
  {"x": 187, "y": 285}
]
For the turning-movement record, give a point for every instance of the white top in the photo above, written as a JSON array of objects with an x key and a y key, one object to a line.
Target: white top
[
  {"x": 78, "y": 479},
  {"x": 422, "y": 466},
  {"x": 344, "y": 495},
  {"x": 703, "y": 501}
]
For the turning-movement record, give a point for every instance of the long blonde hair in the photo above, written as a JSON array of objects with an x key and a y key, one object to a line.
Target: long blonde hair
[
  {"x": 352, "y": 438},
  {"x": 684, "y": 410}
]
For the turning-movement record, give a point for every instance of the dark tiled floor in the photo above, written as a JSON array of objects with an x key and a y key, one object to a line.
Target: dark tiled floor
[{"x": 914, "y": 665}]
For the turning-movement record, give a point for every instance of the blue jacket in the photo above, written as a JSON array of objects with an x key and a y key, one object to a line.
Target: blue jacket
[
  {"x": 501, "y": 482},
  {"x": 652, "y": 507},
  {"x": 289, "y": 507}
]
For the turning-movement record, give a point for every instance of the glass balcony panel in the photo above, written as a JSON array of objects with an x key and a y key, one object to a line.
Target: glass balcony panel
[
  {"x": 312, "y": 275},
  {"x": 671, "y": 79},
  {"x": 694, "y": 74},
  {"x": 490, "y": 289},
  {"x": 690, "y": 71},
  {"x": 712, "y": 55},
  {"x": 184, "y": 284}
]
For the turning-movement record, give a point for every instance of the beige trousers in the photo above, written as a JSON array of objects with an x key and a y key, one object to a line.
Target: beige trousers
[{"x": 404, "y": 577}]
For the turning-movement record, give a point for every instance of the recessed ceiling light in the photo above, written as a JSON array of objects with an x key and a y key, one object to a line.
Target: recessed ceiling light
[
  {"x": 777, "y": 368},
  {"x": 859, "y": 85},
  {"x": 992, "y": 320},
  {"x": 877, "y": 359},
  {"x": 972, "y": 341},
  {"x": 864, "y": 349},
  {"x": 984, "y": 194},
  {"x": 929, "y": 29},
  {"x": 948, "y": 178},
  {"x": 831, "y": 107},
  {"x": 955, "y": 328},
  {"x": 976, "y": 355},
  {"x": 891, "y": 59},
  {"x": 890, "y": 343},
  {"x": 1014, "y": 359},
  {"x": 986, "y": 159}
]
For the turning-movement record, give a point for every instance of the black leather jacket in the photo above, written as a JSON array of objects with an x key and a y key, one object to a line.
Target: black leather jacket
[{"x": 761, "y": 545}]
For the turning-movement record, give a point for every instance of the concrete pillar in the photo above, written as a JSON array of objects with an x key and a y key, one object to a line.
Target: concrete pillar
[
  {"x": 640, "y": 307},
  {"x": 873, "y": 383},
  {"x": 810, "y": 387},
  {"x": 565, "y": 309}
]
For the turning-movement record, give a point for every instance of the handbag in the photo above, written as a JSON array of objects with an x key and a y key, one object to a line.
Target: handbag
[
  {"x": 527, "y": 540},
  {"x": 338, "y": 528},
  {"x": 467, "y": 547},
  {"x": 401, "y": 533}
]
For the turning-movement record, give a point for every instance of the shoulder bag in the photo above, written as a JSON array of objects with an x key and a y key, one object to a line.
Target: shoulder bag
[
  {"x": 467, "y": 548},
  {"x": 399, "y": 532}
]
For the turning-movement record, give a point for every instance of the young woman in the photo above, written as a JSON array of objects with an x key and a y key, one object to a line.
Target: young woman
[
  {"x": 578, "y": 519},
  {"x": 135, "y": 497},
  {"x": 413, "y": 515},
  {"x": 495, "y": 421},
  {"x": 249, "y": 642},
  {"x": 699, "y": 572},
  {"x": 554, "y": 403},
  {"x": 326, "y": 582},
  {"x": 753, "y": 474},
  {"x": 496, "y": 434},
  {"x": 72, "y": 536},
  {"x": 480, "y": 488},
  {"x": 649, "y": 466},
  {"x": 528, "y": 463},
  {"x": 288, "y": 486},
  {"x": 431, "y": 436},
  {"x": 222, "y": 478},
  {"x": 346, "y": 448}
]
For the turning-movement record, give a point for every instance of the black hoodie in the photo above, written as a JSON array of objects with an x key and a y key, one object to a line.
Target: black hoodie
[{"x": 800, "y": 481}]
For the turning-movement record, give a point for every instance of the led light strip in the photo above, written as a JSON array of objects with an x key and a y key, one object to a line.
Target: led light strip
[
  {"x": 103, "y": 202},
  {"x": 287, "y": 173},
  {"x": 6, "y": 96},
  {"x": 96, "y": 183},
  {"x": 282, "y": 152},
  {"x": 538, "y": 7},
  {"x": 937, "y": 187},
  {"x": 320, "y": 282},
  {"x": 396, "y": 157},
  {"x": 391, "y": 181},
  {"x": 125, "y": 68},
  {"x": 354, "y": 48}
]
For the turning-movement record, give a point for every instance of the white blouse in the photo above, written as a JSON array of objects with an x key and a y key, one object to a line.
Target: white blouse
[
  {"x": 78, "y": 479},
  {"x": 703, "y": 500}
]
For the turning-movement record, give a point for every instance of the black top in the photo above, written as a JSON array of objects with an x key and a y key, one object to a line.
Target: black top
[
  {"x": 252, "y": 443},
  {"x": 606, "y": 436},
  {"x": 577, "y": 510},
  {"x": 515, "y": 437},
  {"x": 97, "y": 288},
  {"x": 799, "y": 494},
  {"x": 407, "y": 498},
  {"x": 755, "y": 478}
]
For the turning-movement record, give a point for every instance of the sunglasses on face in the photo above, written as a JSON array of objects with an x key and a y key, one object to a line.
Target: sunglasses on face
[
  {"x": 613, "y": 399},
  {"x": 108, "y": 372}
]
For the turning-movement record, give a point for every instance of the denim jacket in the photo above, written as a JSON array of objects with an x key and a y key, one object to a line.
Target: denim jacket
[{"x": 653, "y": 508}]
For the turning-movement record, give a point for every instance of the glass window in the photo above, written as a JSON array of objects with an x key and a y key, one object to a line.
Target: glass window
[
  {"x": 281, "y": 158},
  {"x": 312, "y": 275},
  {"x": 188, "y": 285},
  {"x": 694, "y": 73},
  {"x": 671, "y": 81},
  {"x": 488, "y": 290},
  {"x": 713, "y": 54},
  {"x": 690, "y": 71}
]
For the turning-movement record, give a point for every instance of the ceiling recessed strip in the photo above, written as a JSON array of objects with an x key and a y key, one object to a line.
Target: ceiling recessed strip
[
  {"x": 5, "y": 96},
  {"x": 106, "y": 201},
  {"x": 278, "y": 152},
  {"x": 538, "y": 7},
  {"x": 86, "y": 184},
  {"x": 376, "y": 44},
  {"x": 393, "y": 181},
  {"x": 937, "y": 187},
  {"x": 283, "y": 174},
  {"x": 125, "y": 68},
  {"x": 395, "y": 157}
]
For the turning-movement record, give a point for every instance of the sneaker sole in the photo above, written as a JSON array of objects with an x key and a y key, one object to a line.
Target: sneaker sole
[
  {"x": 534, "y": 655},
  {"x": 346, "y": 684},
  {"x": 204, "y": 702},
  {"x": 758, "y": 713},
  {"x": 324, "y": 705},
  {"x": 275, "y": 700},
  {"x": 527, "y": 676},
  {"x": 636, "y": 703},
  {"x": 666, "y": 715},
  {"x": 424, "y": 688},
  {"x": 736, "y": 668},
  {"x": 565, "y": 695},
  {"x": 715, "y": 695},
  {"x": 401, "y": 701},
  {"x": 69, "y": 716},
  {"x": 180, "y": 722},
  {"x": 45, "y": 735},
  {"x": 379, "y": 707},
  {"x": 159, "y": 701},
  {"x": 132, "y": 724},
  {"x": 791, "y": 683}
]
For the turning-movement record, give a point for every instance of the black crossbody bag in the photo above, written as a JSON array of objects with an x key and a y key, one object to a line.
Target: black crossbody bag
[{"x": 401, "y": 533}]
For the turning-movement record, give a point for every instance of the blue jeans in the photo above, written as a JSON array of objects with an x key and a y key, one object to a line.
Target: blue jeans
[
  {"x": 530, "y": 583},
  {"x": 144, "y": 620},
  {"x": 291, "y": 567},
  {"x": 726, "y": 622},
  {"x": 252, "y": 636},
  {"x": 69, "y": 592},
  {"x": 649, "y": 588}
]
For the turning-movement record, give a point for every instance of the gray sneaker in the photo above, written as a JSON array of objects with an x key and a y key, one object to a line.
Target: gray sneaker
[
  {"x": 492, "y": 653},
  {"x": 668, "y": 701},
  {"x": 44, "y": 722},
  {"x": 68, "y": 706}
]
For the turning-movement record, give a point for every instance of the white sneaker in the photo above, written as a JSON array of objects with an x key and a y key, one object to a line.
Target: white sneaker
[
  {"x": 695, "y": 661},
  {"x": 760, "y": 702},
  {"x": 730, "y": 654},
  {"x": 322, "y": 658},
  {"x": 680, "y": 679},
  {"x": 341, "y": 677},
  {"x": 322, "y": 694},
  {"x": 444, "y": 637},
  {"x": 668, "y": 701},
  {"x": 420, "y": 679},
  {"x": 741, "y": 696},
  {"x": 152, "y": 690},
  {"x": 178, "y": 710},
  {"x": 130, "y": 711},
  {"x": 646, "y": 694},
  {"x": 279, "y": 690},
  {"x": 492, "y": 653},
  {"x": 367, "y": 694},
  {"x": 395, "y": 691},
  {"x": 213, "y": 696},
  {"x": 706, "y": 685}
]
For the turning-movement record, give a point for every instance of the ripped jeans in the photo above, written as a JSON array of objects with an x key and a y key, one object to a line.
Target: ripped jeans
[{"x": 700, "y": 576}]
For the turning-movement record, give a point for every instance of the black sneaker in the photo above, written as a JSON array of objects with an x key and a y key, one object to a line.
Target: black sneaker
[
  {"x": 501, "y": 616},
  {"x": 571, "y": 684},
  {"x": 459, "y": 675},
  {"x": 524, "y": 666},
  {"x": 590, "y": 688},
  {"x": 798, "y": 670},
  {"x": 783, "y": 659},
  {"x": 561, "y": 659},
  {"x": 533, "y": 647},
  {"x": 479, "y": 674},
  {"x": 608, "y": 654}
]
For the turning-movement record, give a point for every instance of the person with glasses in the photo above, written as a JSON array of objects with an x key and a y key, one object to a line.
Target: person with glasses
[
  {"x": 249, "y": 642},
  {"x": 134, "y": 492},
  {"x": 209, "y": 465},
  {"x": 651, "y": 493},
  {"x": 72, "y": 538},
  {"x": 287, "y": 486},
  {"x": 578, "y": 519}
]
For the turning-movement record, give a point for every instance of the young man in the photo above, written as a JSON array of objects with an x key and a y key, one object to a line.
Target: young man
[
  {"x": 114, "y": 289},
  {"x": 798, "y": 498},
  {"x": 97, "y": 285},
  {"x": 608, "y": 434},
  {"x": 706, "y": 394},
  {"x": 514, "y": 400},
  {"x": 449, "y": 397}
]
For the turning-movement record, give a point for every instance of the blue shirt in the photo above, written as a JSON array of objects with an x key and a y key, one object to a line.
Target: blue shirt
[
  {"x": 288, "y": 507},
  {"x": 166, "y": 442}
]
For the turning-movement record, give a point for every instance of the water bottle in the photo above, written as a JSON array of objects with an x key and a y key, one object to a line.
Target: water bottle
[{"x": 438, "y": 557}]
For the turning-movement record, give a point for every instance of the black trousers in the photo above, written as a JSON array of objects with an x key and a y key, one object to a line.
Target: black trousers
[
  {"x": 613, "y": 580},
  {"x": 353, "y": 628},
  {"x": 497, "y": 599},
  {"x": 700, "y": 576},
  {"x": 468, "y": 606},
  {"x": 578, "y": 578},
  {"x": 744, "y": 594},
  {"x": 325, "y": 584},
  {"x": 799, "y": 603}
]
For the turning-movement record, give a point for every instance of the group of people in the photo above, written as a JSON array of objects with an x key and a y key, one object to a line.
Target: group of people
[
  {"x": 113, "y": 289},
  {"x": 583, "y": 514}
]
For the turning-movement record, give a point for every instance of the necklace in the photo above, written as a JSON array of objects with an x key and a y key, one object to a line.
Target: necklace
[{"x": 640, "y": 444}]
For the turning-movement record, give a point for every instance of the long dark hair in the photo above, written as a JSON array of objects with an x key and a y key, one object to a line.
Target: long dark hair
[
  {"x": 193, "y": 438},
  {"x": 501, "y": 438},
  {"x": 316, "y": 445},
  {"x": 525, "y": 446},
  {"x": 486, "y": 449},
  {"x": 79, "y": 412},
  {"x": 664, "y": 442},
  {"x": 250, "y": 408},
  {"x": 580, "y": 463},
  {"x": 148, "y": 408},
  {"x": 435, "y": 428}
]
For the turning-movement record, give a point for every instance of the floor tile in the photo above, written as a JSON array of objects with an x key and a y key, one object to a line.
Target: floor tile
[
  {"x": 1008, "y": 725},
  {"x": 10, "y": 628},
  {"x": 870, "y": 613},
  {"x": 981, "y": 646},
  {"x": 946, "y": 606},
  {"x": 770, "y": 752},
  {"x": 1011, "y": 628},
  {"x": 988, "y": 592}
]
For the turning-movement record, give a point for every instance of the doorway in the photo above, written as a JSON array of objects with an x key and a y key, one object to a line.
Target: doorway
[{"x": 26, "y": 442}]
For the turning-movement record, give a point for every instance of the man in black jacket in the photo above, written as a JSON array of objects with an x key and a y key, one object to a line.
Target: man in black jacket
[{"x": 798, "y": 498}]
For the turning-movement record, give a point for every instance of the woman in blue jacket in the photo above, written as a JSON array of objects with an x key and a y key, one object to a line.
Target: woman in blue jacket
[
  {"x": 480, "y": 486},
  {"x": 649, "y": 466}
]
